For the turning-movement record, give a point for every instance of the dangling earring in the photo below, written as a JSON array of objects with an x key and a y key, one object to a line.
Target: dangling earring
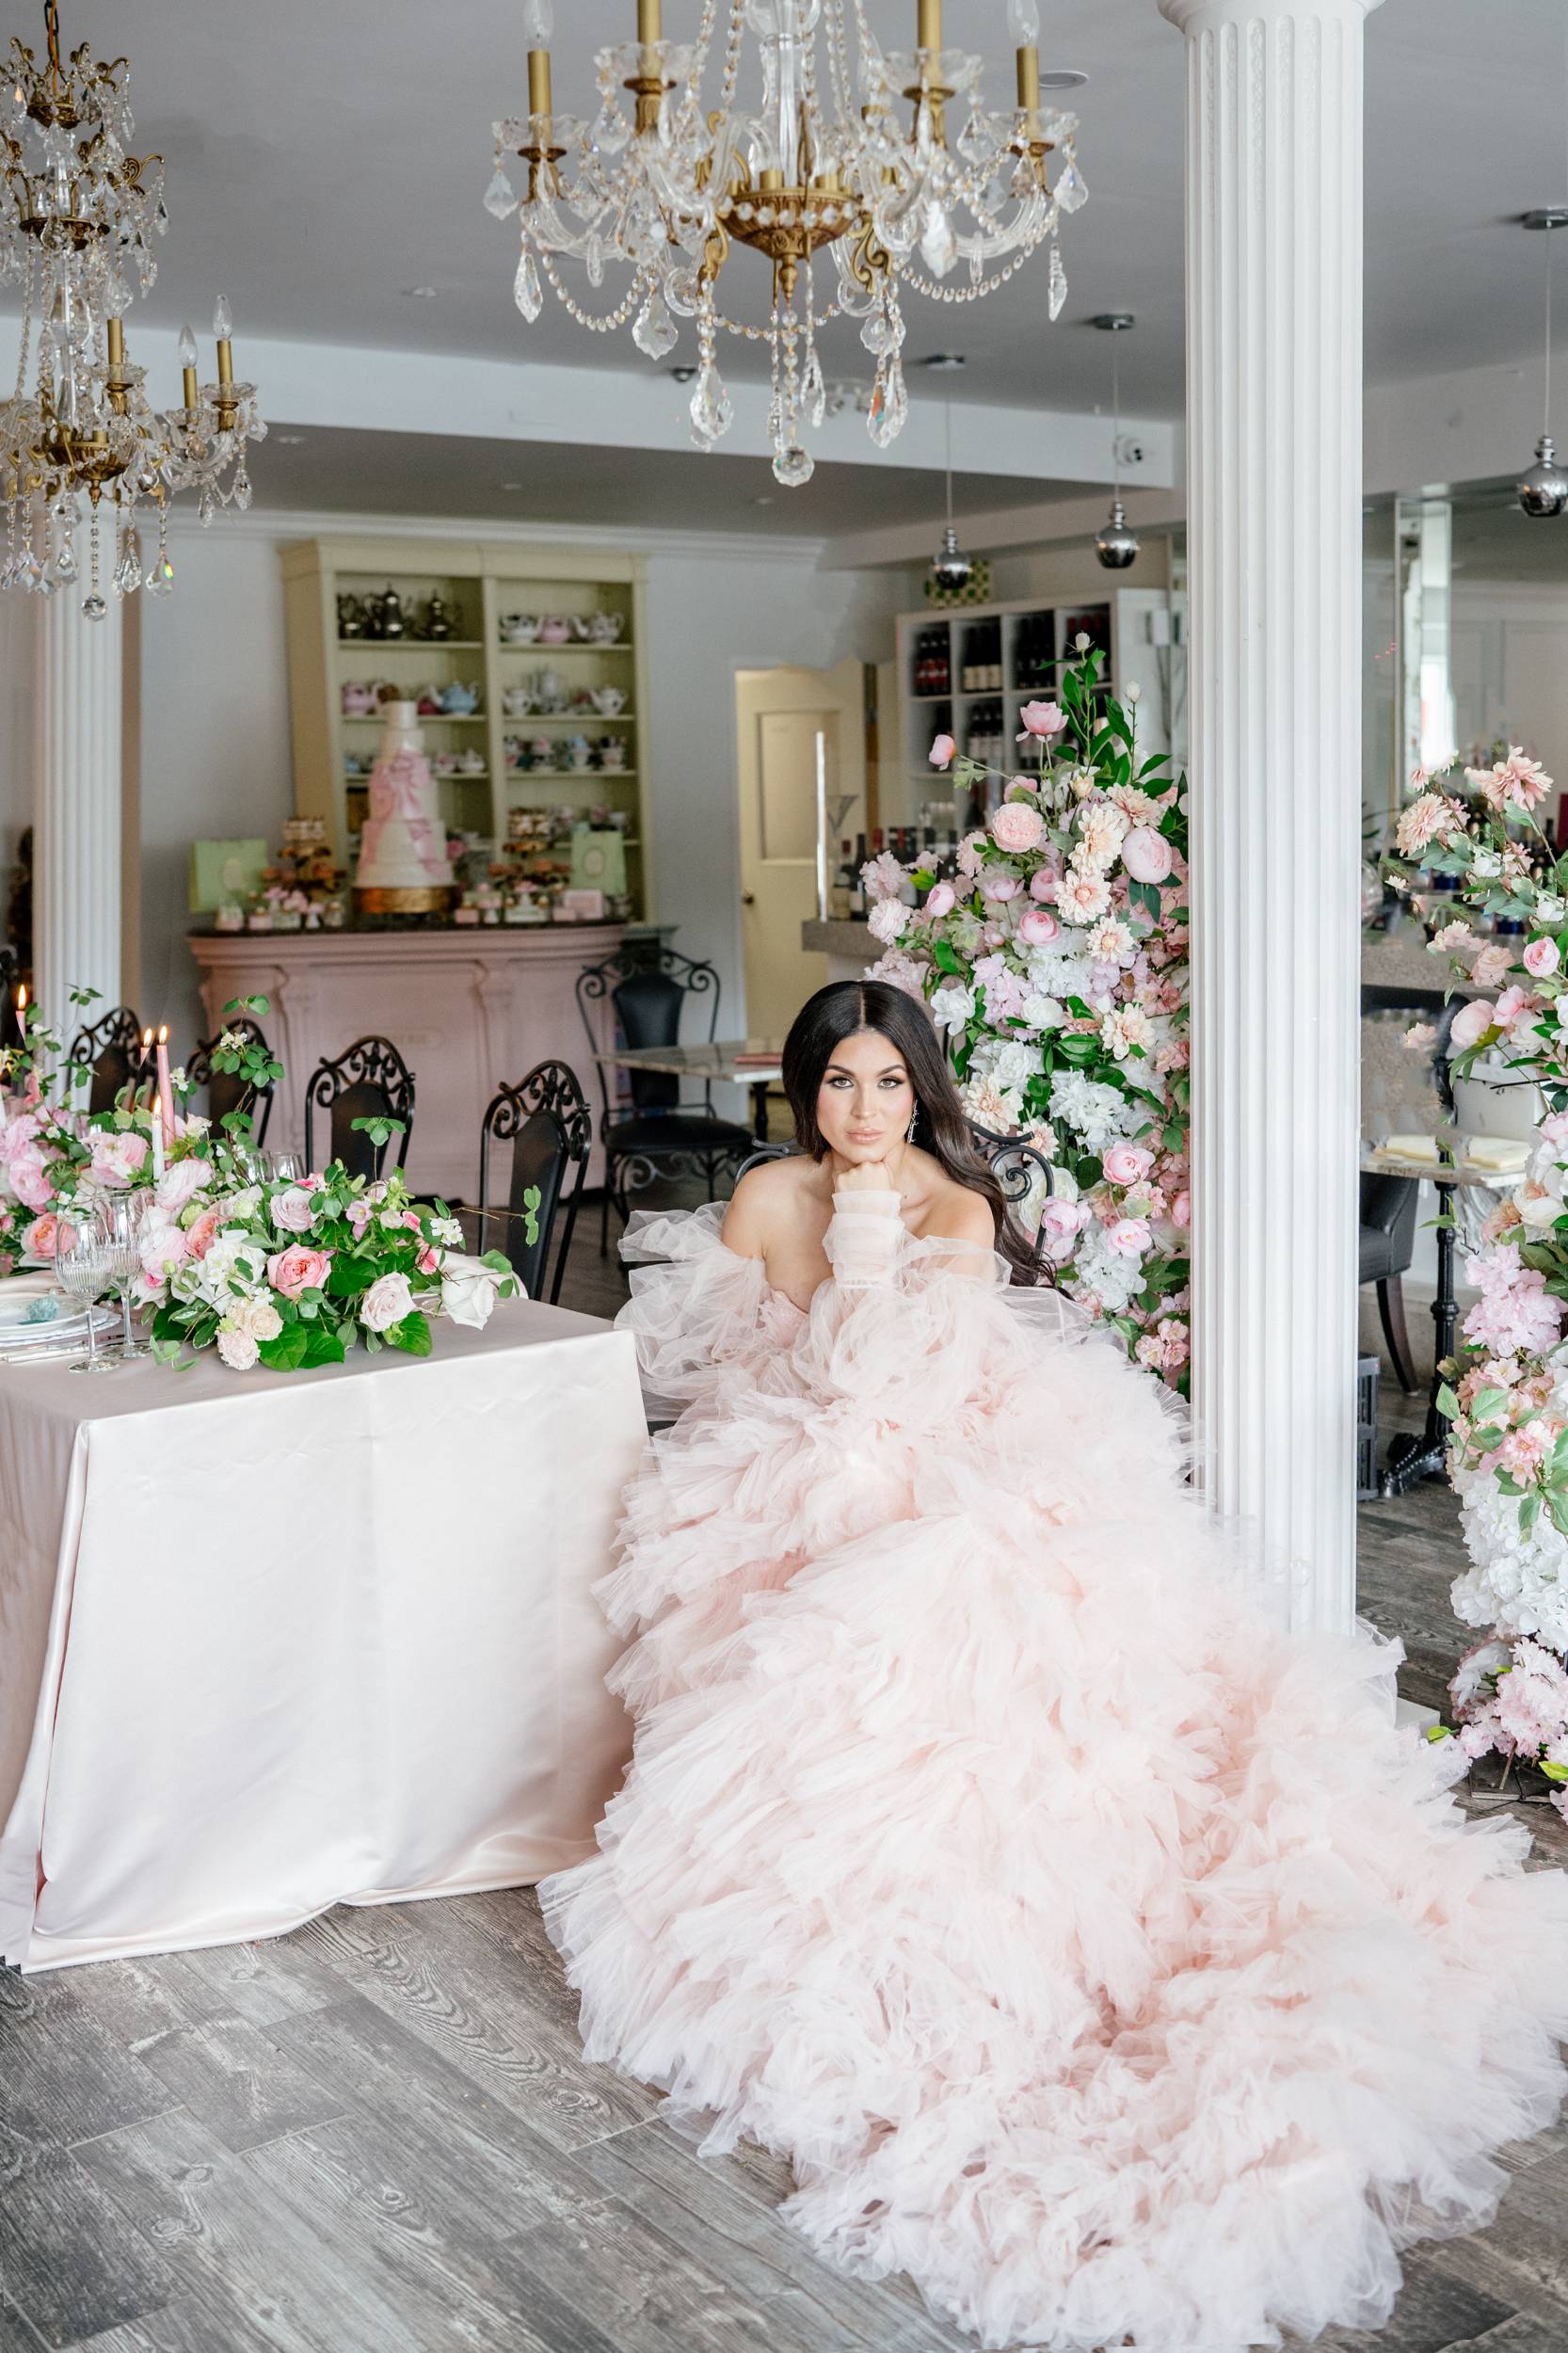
[{"x": 914, "y": 1122}]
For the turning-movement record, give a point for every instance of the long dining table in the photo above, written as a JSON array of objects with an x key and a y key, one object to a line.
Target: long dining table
[{"x": 273, "y": 1642}]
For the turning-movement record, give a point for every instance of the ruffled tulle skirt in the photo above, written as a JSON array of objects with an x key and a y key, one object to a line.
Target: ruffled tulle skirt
[{"x": 1096, "y": 1953}]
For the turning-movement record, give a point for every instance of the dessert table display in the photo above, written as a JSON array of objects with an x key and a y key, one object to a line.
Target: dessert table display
[{"x": 296, "y": 1640}]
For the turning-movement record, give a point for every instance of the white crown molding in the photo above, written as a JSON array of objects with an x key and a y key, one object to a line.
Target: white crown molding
[{"x": 282, "y": 523}]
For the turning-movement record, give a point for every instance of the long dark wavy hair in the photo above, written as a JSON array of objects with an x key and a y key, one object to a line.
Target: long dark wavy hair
[{"x": 843, "y": 1009}]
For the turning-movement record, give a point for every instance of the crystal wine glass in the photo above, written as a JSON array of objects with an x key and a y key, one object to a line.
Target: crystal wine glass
[
  {"x": 122, "y": 1218},
  {"x": 287, "y": 1168},
  {"x": 84, "y": 1268}
]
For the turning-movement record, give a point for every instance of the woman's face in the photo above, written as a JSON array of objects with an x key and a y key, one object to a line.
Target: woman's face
[{"x": 865, "y": 1102}]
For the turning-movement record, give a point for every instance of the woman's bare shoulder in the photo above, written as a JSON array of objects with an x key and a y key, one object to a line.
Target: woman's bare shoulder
[
  {"x": 954, "y": 1214},
  {"x": 765, "y": 1196}
]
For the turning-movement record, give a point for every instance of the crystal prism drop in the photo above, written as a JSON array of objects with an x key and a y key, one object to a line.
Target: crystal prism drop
[
  {"x": 499, "y": 199},
  {"x": 160, "y": 579},
  {"x": 875, "y": 334},
  {"x": 592, "y": 258},
  {"x": 127, "y": 573},
  {"x": 711, "y": 414},
  {"x": 207, "y": 506},
  {"x": 654, "y": 331},
  {"x": 813, "y": 390},
  {"x": 65, "y": 563},
  {"x": 242, "y": 490},
  {"x": 793, "y": 466},
  {"x": 94, "y": 608},
  {"x": 938, "y": 246},
  {"x": 525, "y": 287},
  {"x": 1070, "y": 190},
  {"x": 889, "y": 405},
  {"x": 1056, "y": 292}
]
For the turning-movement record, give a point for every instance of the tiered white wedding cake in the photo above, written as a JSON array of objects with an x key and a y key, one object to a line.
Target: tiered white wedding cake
[{"x": 404, "y": 869}]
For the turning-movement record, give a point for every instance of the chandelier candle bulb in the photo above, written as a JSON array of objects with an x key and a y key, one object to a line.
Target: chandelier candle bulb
[
  {"x": 650, "y": 20},
  {"x": 539, "y": 103},
  {"x": 928, "y": 25}
]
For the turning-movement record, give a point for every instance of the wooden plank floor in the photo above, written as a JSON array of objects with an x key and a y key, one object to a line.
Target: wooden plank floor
[{"x": 378, "y": 2136}]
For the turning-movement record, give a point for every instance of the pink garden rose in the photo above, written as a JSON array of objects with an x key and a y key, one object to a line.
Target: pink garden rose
[
  {"x": 1470, "y": 1023},
  {"x": 940, "y": 899},
  {"x": 118, "y": 1156},
  {"x": 1042, "y": 884},
  {"x": 1129, "y": 1237},
  {"x": 1492, "y": 965},
  {"x": 29, "y": 1179},
  {"x": 163, "y": 1247},
  {"x": 887, "y": 920},
  {"x": 200, "y": 1236},
  {"x": 1017, "y": 825},
  {"x": 1000, "y": 886},
  {"x": 1038, "y": 927},
  {"x": 292, "y": 1210},
  {"x": 298, "y": 1269},
  {"x": 181, "y": 1182},
  {"x": 1040, "y": 720},
  {"x": 1509, "y": 1005},
  {"x": 1181, "y": 1210},
  {"x": 1146, "y": 854},
  {"x": 1061, "y": 1223},
  {"x": 386, "y": 1302},
  {"x": 1540, "y": 957},
  {"x": 943, "y": 752},
  {"x": 46, "y": 1236},
  {"x": 1124, "y": 1163}
]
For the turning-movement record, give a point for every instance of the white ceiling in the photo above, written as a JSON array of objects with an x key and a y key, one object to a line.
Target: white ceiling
[{"x": 321, "y": 159}]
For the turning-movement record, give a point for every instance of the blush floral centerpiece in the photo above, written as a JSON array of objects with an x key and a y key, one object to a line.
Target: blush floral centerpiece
[
  {"x": 1054, "y": 960},
  {"x": 288, "y": 1274}
]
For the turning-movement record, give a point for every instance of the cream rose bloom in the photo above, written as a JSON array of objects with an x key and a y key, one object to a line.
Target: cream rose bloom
[
  {"x": 237, "y": 1349},
  {"x": 469, "y": 1290},
  {"x": 386, "y": 1302}
]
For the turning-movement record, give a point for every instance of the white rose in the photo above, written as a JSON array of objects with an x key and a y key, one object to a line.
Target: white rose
[
  {"x": 232, "y": 1254},
  {"x": 256, "y": 1316},
  {"x": 469, "y": 1285},
  {"x": 1542, "y": 1211},
  {"x": 237, "y": 1349},
  {"x": 386, "y": 1302},
  {"x": 952, "y": 1005},
  {"x": 1042, "y": 1012},
  {"x": 292, "y": 1210}
]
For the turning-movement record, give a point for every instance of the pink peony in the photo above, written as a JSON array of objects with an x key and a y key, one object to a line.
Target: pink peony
[
  {"x": 943, "y": 752},
  {"x": 1492, "y": 967},
  {"x": 1129, "y": 1237},
  {"x": 29, "y": 1179},
  {"x": 1540, "y": 957},
  {"x": 1471, "y": 1023},
  {"x": 1000, "y": 887},
  {"x": 1017, "y": 825},
  {"x": 1038, "y": 927},
  {"x": 1040, "y": 720},
  {"x": 118, "y": 1156},
  {"x": 940, "y": 899},
  {"x": 1146, "y": 854},
  {"x": 1042, "y": 884},
  {"x": 298, "y": 1269},
  {"x": 1124, "y": 1163},
  {"x": 163, "y": 1247},
  {"x": 1509, "y": 1005},
  {"x": 887, "y": 920},
  {"x": 883, "y": 875}
]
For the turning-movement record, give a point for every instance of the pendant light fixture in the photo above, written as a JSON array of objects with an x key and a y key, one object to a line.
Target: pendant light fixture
[
  {"x": 949, "y": 566},
  {"x": 1542, "y": 489},
  {"x": 1115, "y": 542}
]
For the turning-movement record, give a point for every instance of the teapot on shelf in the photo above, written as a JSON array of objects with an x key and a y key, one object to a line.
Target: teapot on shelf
[
  {"x": 612, "y": 753},
  {"x": 352, "y": 617},
  {"x": 360, "y": 700},
  {"x": 519, "y": 629},
  {"x": 438, "y": 622},
  {"x": 608, "y": 701},
  {"x": 579, "y": 751},
  {"x": 555, "y": 629},
  {"x": 550, "y": 691},
  {"x": 386, "y": 614},
  {"x": 598, "y": 629},
  {"x": 516, "y": 701},
  {"x": 457, "y": 700}
]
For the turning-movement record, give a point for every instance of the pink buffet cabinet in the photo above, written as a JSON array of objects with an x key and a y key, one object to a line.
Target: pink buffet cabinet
[{"x": 467, "y": 1010}]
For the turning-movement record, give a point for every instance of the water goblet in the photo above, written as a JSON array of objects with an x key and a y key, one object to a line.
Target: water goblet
[
  {"x": 123, "y": 1220},
  {"x": 286, "y": 1167},
  {"x": 83, "y": 1267}
]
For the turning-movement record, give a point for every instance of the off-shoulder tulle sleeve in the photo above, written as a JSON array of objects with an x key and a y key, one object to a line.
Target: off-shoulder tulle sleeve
[{"x": 696, "y": 1307}]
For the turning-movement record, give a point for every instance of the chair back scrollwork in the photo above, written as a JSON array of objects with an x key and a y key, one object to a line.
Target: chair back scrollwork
[
  {"x": 648, "y": 996},
  {"x": 370, "y": 1079},
  {"x": 545, "y": 1118},
  {"x": 110, "y": 1047}
]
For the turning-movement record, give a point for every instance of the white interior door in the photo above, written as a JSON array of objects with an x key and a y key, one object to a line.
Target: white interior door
[{"x": 781, "y": 715}]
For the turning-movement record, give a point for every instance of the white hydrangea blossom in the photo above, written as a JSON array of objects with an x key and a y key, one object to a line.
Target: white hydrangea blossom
[
  {"x": 1097, "y": 1114},
  {"x": 952, "y": 1005},
  {"x": 1009, "y": 1063}
]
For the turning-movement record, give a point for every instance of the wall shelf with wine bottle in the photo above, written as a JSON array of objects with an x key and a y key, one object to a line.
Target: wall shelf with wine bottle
[{"x": 968, "y": 673}]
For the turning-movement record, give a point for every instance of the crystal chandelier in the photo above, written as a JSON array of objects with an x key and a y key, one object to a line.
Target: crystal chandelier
[
  {"x": 887, "y": 163},
  {"x": 78, "y": 217}
]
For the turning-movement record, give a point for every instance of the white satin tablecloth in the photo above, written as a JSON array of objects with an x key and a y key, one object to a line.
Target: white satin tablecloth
[{"x": 274, "y": 1641}]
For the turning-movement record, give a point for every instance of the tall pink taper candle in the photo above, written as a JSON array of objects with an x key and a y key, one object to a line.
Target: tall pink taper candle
[
  {"x": 166, "y": 1089},
  {"x": 22, "y": 1012}
]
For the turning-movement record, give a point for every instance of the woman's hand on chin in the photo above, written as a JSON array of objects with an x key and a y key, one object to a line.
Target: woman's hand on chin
[{"x": 863, "y": 1177}]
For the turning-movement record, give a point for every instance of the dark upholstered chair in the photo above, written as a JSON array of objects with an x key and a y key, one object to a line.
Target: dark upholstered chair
[
  {"x": 111, "y": 1049},
  {"x": 370, "y": 1079},
  {"x": 546, "y": 1119},
  {"x": 227, "y": 1092},
  {"x": 660, "y": 1135},
  {"x": 1388, "y": 1246}
]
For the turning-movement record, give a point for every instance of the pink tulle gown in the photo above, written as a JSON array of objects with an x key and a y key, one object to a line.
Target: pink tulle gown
[{"x": 1096, "y": 1954}]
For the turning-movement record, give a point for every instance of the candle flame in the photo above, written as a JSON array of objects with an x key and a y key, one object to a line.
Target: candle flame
[
  {"x": 21, "y": 998},
  {"x": 163, "y": 1035}
]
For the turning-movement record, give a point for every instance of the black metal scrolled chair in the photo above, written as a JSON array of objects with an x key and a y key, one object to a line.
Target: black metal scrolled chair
[
  {"x": 1018, "y": 1168},
  {"x": 227, "y": 1092},
  {"x": 546, "y": 1119},
  {"x": 369, "y": 1079},
  {"x": 110, "y": 1047},
  {"x": 660, "y": 1135}
]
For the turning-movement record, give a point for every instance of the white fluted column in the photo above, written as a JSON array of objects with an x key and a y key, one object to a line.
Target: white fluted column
[
  {"x": 76, "y": 807},
  {"x": 1273, "y": 466}
]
